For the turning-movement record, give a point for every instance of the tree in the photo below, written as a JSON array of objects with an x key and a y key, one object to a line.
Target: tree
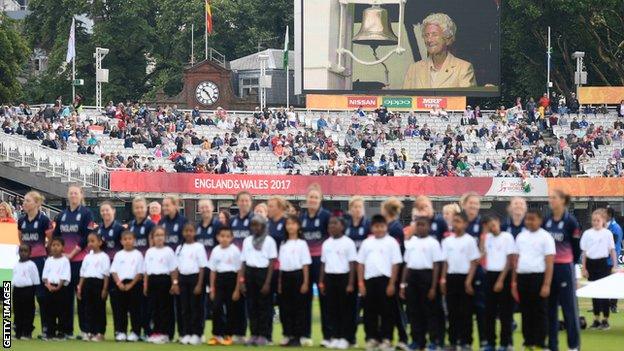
[{"x": 13, "y": 56}]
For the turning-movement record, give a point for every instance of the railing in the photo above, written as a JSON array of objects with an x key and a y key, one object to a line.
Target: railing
[
  {"x": 70, "y": 167},
  {"x": 6, "y": 194}
]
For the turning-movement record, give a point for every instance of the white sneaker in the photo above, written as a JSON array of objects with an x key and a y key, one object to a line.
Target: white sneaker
[
  {"x": 342, "y": 344},
  {"x": 120, "y": 337},
  {"x": 325, "y": 343},
  {"x": 285, "y": 340},
  {"x": 161, "y": 339},
  {"x": 402, "y": 346},
  {"x": 184, "y": 340},
  {"x": 238, "y": 339},
  {"x": 386, "y": 345},
  {"x": 194, "y": 340},
  {"x": 371, "y": 345},
  {"x": 307, "y": 342},
  {"x": 132, "y": 337}
]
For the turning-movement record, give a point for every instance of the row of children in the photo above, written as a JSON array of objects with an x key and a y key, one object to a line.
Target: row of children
[{"x": 313, "y": 248}]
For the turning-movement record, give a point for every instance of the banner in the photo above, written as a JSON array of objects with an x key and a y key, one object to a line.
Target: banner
[
  {"x": 601, "y": 95},
  {"x": 371, "y": 102},
  {"x": 588, "y": 187},
  {"x": 509, "y": 187},
  {"x": 230, "y": 184}
]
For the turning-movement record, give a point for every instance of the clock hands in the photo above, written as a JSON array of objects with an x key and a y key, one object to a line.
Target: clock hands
[{"x": 208, "y": 95}]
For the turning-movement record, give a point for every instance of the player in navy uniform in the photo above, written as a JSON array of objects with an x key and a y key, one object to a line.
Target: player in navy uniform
[
  {"x": 514, "y": 223},
  {"x": 206, "y": 230},
  {"x": 471, "y": 205},
  {"x": 141, "y": 225},
  {"x": 314, "y": 221},
  {"x": 424, "y": 208},
  {"x": 33, "y": 228},
  {"x": 391, "y": 210},
  {"x": 276, "y": 211},
  {"x": 566, "y": 231},
  {"x": 240, "y": 223},
  {"x": 109, "y": 230},
  {"x": 358, "y": 225},
  {"x": 74, "y": 225},
  {"x": 173, "y": 221}
]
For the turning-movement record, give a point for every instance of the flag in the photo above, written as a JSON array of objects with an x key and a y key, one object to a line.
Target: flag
[
  {"x": 208, "y": 17},
  {"x": 286, "y": 42},
  {"x": 9, "y": 243},
  {"x": 71, "y": 43}
]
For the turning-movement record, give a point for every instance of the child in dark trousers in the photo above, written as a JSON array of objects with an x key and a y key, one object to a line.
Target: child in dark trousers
[
  {"x": 258, "y": 255},
  {"x": 419, "y": 283},
  {"x": 532, "y": 278},
  {"x": 25, "y": 281},
  {"x": 192, "y": 260},
  {"x": 224, "y": 264},
  {"x": 461, "y": 259},
  {"x": 379, "y": 259},
  {"x": 499, "y": 249},
  {"x": 598, "y": 246},
  {"x": 56, "y": 276},
  {"x": 294, "y": 281},
  {"x": 338, "y": 257},
  {"x": 160, "y": 283},
  {"x": 93, "y": 287},
  {"x": 127, "y": 273}
]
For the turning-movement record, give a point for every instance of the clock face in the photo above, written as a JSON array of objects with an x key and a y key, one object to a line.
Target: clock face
[{"x": 207, "y": 93}]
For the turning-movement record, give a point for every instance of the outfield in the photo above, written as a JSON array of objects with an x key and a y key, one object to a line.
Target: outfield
[{"x": 612, "y": 339}]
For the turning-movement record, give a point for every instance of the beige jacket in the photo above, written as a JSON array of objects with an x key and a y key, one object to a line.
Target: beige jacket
[{"x": 454, "y": 73}]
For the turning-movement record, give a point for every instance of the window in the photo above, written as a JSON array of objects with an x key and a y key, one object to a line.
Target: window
[{"x": 248, "y": 86}]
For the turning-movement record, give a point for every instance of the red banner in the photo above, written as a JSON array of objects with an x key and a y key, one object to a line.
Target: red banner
[
  {"x": 363, "y": 101},
  {"x": 431, "y": 102},
  {"x": 195, "y": 183}
]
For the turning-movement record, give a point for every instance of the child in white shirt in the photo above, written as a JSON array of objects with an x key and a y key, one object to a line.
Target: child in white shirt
[
  {"x": 294, "y": 281},
  {"x": 379, "y": 258},
  {"x": 25, "y": 281},
  {"x": 532, "y": 278},
  {"x": 127, "y": 272},
  {"x": 192, "y": 260},
  {"x": 93, "y": 287},
  {"x": 56, "y": 276},
  {"x": 598, "y": 245}
]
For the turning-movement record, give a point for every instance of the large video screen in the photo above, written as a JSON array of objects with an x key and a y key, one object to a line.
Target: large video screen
[{"x": 432, "y": 47}]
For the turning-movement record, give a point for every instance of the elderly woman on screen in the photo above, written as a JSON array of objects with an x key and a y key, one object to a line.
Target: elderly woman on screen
[{"x": 440, "y": 69}]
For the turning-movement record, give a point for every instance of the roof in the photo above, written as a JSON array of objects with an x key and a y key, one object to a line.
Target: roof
[{"x": 251, "y": 62}]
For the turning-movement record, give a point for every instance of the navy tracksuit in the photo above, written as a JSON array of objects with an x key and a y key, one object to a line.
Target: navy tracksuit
[
  {"x": 474, "y": 229},
  {"x": 173, "y": 228}
]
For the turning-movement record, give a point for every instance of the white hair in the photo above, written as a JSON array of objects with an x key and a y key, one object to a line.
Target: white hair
[{"x": 444, "y": 22}]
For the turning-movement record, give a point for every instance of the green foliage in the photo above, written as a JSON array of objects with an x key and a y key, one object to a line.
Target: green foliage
[{"x": 13, "y": 55}]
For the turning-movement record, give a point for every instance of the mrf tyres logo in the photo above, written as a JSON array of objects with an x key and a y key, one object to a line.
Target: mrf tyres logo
[{"x": 6, "y": 314}]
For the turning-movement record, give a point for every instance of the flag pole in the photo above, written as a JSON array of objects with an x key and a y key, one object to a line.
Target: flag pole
[
  {"x": 206, "y": 34},
  {"x": 74, "y": 63},
  {"x": 192, "y": 44}
]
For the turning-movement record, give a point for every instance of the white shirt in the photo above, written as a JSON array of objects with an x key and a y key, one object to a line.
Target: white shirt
[
  {"x": 258, "y": 258},
  {"x": 597, "y": 243},
  {"x": 293, "y": 255},
  {"x": 95, "y": 265},
  {"x": 337, "y": 255},
  {"x": 160, "y": 260},
  {"x": 497, "y": 248},
  {"x": 378, "y": 255},
  {"x": 225, "y": 260},
  {"x": 25, "y": 274},
  {"x": 56, "y": 269},
  {"x": 127, "y": 264},
  {"x": 422, "y": 253},
  {"x": 532, "y": 249},
  {"x": 459, "y": 252},
  {"x": 191, "y": 258}
]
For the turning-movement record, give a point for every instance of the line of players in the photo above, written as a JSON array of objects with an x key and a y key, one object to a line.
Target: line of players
[{"x": 456, "y": 266}]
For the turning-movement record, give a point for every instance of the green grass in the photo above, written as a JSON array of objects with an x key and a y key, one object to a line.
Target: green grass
[{"x": 612, "y": 339}]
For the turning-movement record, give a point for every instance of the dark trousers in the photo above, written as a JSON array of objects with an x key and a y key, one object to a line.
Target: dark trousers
[
  {"x": 161, "y": 303},
  {"x": 339, "y": 305},
  {"x": 58, "y": 311},
  {"x": 355, "y": 304},
  {"x": 378, "y": 310},
  {"x": 563, "y": 292},
  {"x": 190, "y": 307},
  {"x": 73, "y": 284},
  {"x": 460, "y": 306},
  {"x": 315, "y": 269},
  {"x": 599, "y": 269},
  {"x": 399, "y": 315},
  {"x": 24, "y": 310},
  {"x": 127, "y": 303},
  {"x": 40, "y": 293},
  {"x": 479, "y": 303},
  {"x": 420, "y": 310},
  {"x": 95, "y": 306},
  {"x": 292, "y": 304},
  {"x": 258, "y": 304},
  {"x": 224, "y": 310},
  {"x": 533, "y": 309},
  {"x": 498, "y": 305}
]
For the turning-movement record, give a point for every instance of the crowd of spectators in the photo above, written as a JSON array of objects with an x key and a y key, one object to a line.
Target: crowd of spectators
[{"x": 521, "y": 135}]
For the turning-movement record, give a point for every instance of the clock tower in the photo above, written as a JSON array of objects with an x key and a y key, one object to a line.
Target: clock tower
[{"x": 208, "y": 84}]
